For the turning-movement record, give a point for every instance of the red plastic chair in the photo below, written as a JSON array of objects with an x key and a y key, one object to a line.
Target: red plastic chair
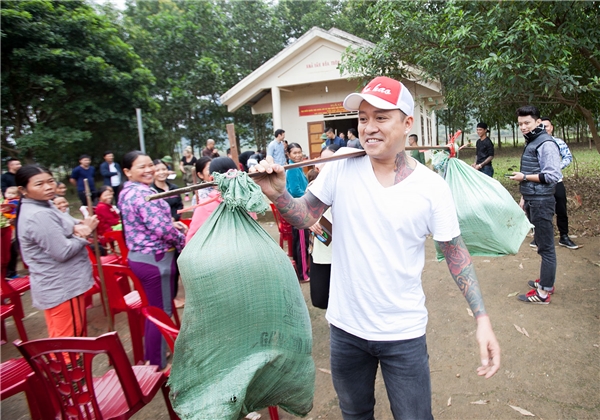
[
  {"x": 13, "y": 290},
  {"x": 186, "y": 222},
  {"x": 6, "y": 311},
  {"x": 76, "y": 394},
  {"x": 285, "y": 230},
  {"x": 119, "y": 238},
  {"x": 16, "y": 376},
  {"x": 170, "y": 332},
  {"x": 131, "y": 303},
  {"x": 107, "y": 259}
]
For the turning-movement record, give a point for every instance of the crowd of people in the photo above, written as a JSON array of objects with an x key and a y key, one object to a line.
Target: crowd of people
[{"x": 369, "y": 281}]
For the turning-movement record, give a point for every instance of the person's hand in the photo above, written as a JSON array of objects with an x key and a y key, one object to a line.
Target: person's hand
[
  {"x": 474, "y": 165},
  {"x": 489, "y": 349},
  {"x": 180, "y": 226},
  {"x": 91, "y": 222},
  {"x": 272, "y": 182},
  {"x": 82, "y": 231},
  {"x": 522, "y": 203},
  {"x": 517, "y": 176},
  {"x": 317, "y": 229}
]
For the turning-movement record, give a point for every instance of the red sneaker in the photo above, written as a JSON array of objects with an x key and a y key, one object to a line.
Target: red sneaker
[
  {"x": 534, "y": 285},
  {"x": 533, "y": 297}
]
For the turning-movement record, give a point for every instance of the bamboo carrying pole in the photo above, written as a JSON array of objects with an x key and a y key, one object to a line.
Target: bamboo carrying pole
[
  {"x": 311, "y": 162},
  {"x": 88, "y": 195}
]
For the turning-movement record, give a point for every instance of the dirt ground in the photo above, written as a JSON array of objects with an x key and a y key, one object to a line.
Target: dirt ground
[{"x": 554, "y": 372}]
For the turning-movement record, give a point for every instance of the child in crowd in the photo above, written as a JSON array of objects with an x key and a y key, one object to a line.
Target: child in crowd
[
  {"x": 106, "y": 212},
  {"x": 12, "y": 196},
  {"x": 61, "y": 203}
]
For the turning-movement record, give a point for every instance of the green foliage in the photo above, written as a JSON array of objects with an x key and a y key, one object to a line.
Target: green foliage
[
  {"x": 69, "y": 82},
  {"x": 492, "y": 57}
]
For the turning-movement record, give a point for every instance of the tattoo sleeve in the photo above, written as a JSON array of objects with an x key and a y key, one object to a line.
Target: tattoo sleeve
[
  {"x": 300, "y": 212},
  {"x": 462, "y": 270}
]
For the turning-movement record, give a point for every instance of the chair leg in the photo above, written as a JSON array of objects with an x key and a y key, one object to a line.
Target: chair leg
[
  {"x": 165, "y": 390},
  {"x": 20, "y": 328},
  {"x": 137, "y": 343},
  {"x": 273, "y": 413},
  {"x": 3, "y": 337},
  {"x": 16, "y": 300}
]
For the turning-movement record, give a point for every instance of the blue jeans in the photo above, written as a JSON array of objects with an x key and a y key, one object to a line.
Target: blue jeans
[
  {"x": 488, "y": 170},
  {"x": 541, "y": 213},
  {"x": 405, "y": 369}
]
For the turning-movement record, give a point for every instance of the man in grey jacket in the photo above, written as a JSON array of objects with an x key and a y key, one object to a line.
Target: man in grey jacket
[{"x": 539, "y": 173}]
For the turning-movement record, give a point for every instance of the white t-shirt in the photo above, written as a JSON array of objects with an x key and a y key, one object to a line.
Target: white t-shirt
[
  {"x": 379, "y": 251},
  {"x": 115, "y": 180}
]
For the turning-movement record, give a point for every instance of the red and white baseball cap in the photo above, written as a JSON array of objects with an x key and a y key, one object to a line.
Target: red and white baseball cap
[{"x": 383, "y": 93}]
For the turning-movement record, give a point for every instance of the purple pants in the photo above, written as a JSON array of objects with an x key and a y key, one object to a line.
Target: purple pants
[{"x": 156, "y": 272}]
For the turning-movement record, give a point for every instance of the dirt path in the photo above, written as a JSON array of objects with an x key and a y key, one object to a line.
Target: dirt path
[{"x": 554, "y": 373}]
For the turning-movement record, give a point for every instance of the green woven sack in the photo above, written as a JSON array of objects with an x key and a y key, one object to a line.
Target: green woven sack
[
  {"x": 491, "y": 223},
  {"x": 245, "y": 341}
]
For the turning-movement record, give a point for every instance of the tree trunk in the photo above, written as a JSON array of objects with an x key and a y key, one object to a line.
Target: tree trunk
[
  {"x": 577, "y": 127},
  {"x": 514, "y": 135},
  {"x": 589, "y": 118},
  {"x": 499, "y": 137},
  {"x": 564, "y": 136}
]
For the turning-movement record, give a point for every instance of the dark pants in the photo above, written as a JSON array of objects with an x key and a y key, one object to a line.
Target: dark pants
[
  {"x": 320, "y": 276},
  {"x": 11, "y": 270},
  {"x": 488, "y": 170},
  {"x": 156, "y": 272},
  {"x": 83, "y": 198},
  {"x": 541, "y": 213},
  {"x": 562, "y": 220},
  {"x": 117, "y": 190},
  {"x": 405, "y": 369}
]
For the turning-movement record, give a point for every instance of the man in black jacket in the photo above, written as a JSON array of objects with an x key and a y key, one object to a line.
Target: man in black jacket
[{"x": 539, "y": 173}]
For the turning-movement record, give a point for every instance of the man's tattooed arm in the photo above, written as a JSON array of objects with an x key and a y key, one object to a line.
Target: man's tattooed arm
[
  {"x": 300, "y": 212},
  {"x": 462, "y": 270}
]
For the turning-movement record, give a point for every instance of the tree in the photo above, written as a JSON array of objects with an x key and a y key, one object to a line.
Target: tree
[
  {"x": 503, "y": 54},
  {"x": 187, "y": 47},
  {"x": 70, "y": 84}
]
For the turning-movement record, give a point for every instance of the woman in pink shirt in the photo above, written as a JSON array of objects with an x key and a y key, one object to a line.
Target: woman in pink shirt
[{"x": 208, "y": 198}]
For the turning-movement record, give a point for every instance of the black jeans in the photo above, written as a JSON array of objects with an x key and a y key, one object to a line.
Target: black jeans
[
  {"x": 562, "y": 220},
  {"x": 405, "y": 370},
  {"x": 541, "y": 213}
]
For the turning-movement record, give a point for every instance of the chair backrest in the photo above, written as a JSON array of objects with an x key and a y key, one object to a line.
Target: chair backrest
[
  {"x": 164, "y": 324},
  {"x": 119, "y": 237},
  {"x": 116, "y": 298},
  {"x": 65, "y": 367},
  {"x": 283, "y": 226}
]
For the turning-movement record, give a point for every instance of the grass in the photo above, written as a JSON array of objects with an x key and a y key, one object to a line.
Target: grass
[
  {"x": 581, "y": 178},
  {"x": 586, "y": 163}
]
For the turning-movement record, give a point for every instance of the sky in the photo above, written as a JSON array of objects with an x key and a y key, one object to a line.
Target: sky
[{"x": 120, "y": 4}]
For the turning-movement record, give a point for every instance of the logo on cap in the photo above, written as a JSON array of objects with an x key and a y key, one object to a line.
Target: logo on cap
[{"x": 389, "y": 94}]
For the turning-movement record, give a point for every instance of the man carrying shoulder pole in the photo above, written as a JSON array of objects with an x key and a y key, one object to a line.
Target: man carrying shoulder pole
[{"x": 383, "y": 205}]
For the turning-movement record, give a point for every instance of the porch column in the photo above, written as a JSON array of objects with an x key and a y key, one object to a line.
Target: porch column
[{"x": 276, "y": 98}]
